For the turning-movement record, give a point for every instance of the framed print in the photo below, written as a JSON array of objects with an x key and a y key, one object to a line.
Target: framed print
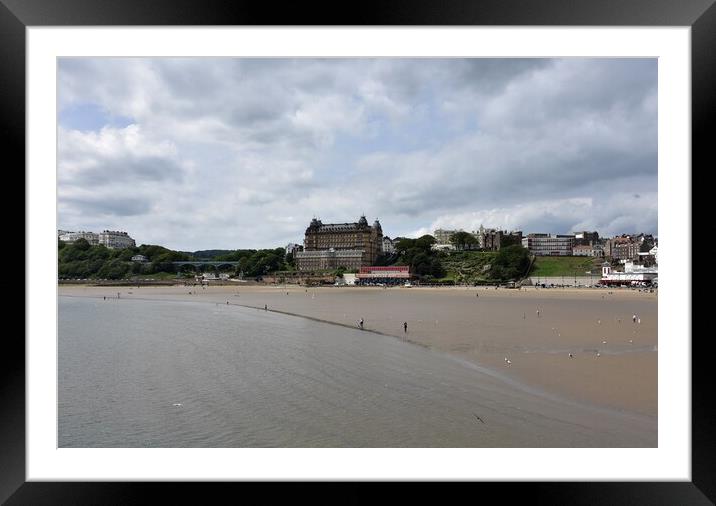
[{"x": 197, "y": 319}]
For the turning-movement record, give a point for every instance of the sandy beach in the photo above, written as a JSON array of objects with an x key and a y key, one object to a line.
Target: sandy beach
[{"x": 613, "y": 362}]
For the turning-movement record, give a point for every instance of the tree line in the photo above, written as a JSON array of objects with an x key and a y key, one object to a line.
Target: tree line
[{"x": 82, "y": 260}]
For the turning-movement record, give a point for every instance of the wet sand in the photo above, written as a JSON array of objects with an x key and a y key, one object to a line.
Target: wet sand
[{"x": 484, "y": 327}]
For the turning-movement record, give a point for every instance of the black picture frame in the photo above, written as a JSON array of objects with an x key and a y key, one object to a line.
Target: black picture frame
[{"x": 16, "y": 15}]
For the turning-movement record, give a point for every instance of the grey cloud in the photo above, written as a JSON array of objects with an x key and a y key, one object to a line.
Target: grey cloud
[
  {"x": 128, "y": 170},
  {"x": 118, "y": 206},
  {"x": 406, "y": 140},
  {"x": 491, "y": 75}
]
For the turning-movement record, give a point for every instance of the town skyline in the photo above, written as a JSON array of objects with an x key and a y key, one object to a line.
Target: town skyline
[
  {"x": 72, "y": 235},
  {"x": 225, "y": 153}
]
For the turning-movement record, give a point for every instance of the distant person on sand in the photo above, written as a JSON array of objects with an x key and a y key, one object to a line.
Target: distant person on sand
[
  {"x": 360, "y": 323},
  {"x": 405, "y": 327},
  {"x": 538, "y": 313},
  {"x": 265, "y": 307},
  {"x": 633, "y": 318}
]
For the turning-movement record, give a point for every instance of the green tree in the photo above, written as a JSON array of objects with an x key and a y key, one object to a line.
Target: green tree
[
  {"x": 81, "y": 244},
  {"x": 461, "y": 240},
  {"x": 114, "y": 269},
  {"x": 98, "y": 253},
  {"x": 425, "y": 242},
  {"x": 510, "y": 263}
]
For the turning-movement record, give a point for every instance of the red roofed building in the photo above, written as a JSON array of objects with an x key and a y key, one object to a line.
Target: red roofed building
[{"x": 388, "y": 275}]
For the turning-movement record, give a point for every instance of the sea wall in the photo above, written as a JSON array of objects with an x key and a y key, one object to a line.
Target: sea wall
[{"x": 562, "y": 280}]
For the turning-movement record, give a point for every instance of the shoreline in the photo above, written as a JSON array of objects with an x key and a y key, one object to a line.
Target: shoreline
[{"x": 622, "y": 378}]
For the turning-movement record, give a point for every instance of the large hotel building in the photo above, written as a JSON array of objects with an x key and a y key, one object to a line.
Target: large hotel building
[{"x": 334, "y": 245}]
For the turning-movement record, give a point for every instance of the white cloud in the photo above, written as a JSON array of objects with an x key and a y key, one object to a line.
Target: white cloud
[{"x": 221, "y": 152}]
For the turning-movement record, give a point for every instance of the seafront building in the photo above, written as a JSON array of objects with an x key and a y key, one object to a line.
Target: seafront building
[
  {"x": 586, "y": 238},
  {"x": 584, "y": 250},
  {"x": 334, "y": 245},
  {"x": 443, "y": 247},
  {"x": 115, "y": 239},
  {"x": 443, "y": 236},
  {"x": 292, "y": 248},
  {"x": 390, "y": 275},
  {"x": 549, "y": 244},
  {"x": 492, "y": 239},
  {"x": 328, "y": 259},
  {"x": 388, "y": 246},
  {"x": 632, "y": 274},
  {"x": 623, "y": 247},
  {"x": 71, "y": 237}
]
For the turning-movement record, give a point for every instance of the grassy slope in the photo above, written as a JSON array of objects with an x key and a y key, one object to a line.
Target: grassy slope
[
  {"x": 466, "y": 266},
  {"x": 562, "y": 266}
]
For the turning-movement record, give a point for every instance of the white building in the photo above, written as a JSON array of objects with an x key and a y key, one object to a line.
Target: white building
[
  {"x": 388, "y": 246},
  {"x": 292, "y": 248},
  {"x": 549, "y": 244},
  {"x": 632, "y": 275},
  {"x": 347, "y": 279},
  {"x": 116, "y": 239},
  {"x": 655, "y": 253},
  {"x": 583, "y": 250},
  {"x": 90, "y": 237},
  {"x": 443, "y": 236},
  {"x": 139, "y": 258},
  {"x": 443, "y": 247}
]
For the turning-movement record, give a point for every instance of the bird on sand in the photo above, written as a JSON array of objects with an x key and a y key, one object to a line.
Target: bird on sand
[{"x": 478, "y": 418}]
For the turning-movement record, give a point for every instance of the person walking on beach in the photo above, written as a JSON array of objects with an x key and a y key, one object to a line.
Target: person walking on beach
[
  {"x": 360, "y": 323},
  {"x": 633, "y": 318},
  {"x": 405, "y": 327},
  {"x": 538, "y": 313},
  {"x": 265, "y": 307}
]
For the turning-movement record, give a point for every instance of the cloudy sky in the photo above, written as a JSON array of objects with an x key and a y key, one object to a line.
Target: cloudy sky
[{"x": 242, "y": 153}]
